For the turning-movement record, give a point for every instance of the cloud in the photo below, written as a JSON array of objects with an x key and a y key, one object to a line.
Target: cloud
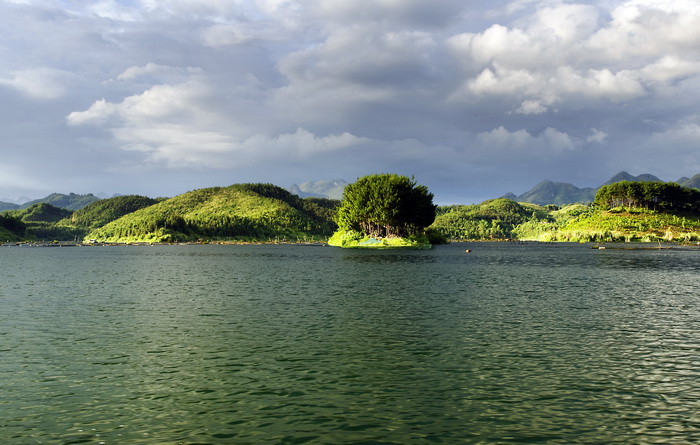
[
  {"x": 415, "y": 13},
  {"x": 633, "y": 31},
  {"x": 363, "y": 55},
  {"x": 178, "y": 147},
  {"x": 521, "y": 144},
  {"x": 157, "y": 71},
  {"x": 668, "y": 69},
  {"x": 40, "y": 83},
  {"x": 532, "y": 107},
  {"x": 159, "y": 104},
  {"x": 273, "y": 90},
  {"x": 561, "y": 55},
  {"x": 682, "y": 137},
  {"x": 597, "y": 136},
  {"x": 172, "y": 125}
]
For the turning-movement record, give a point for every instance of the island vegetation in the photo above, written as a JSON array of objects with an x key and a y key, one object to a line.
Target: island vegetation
[
  {"x": 384, "y": 210},
  {"x": 377, "y": 210}
]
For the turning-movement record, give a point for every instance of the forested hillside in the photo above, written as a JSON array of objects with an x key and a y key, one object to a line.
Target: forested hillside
[
  {"x": 99, "y": 213},
  {"x": 623, "y": 211},
  {"x": 71, "y": 201},
  {"x": 241, "y": 211},
  {"x": 11, "y": 228},
  {"x": 662, "y": 196},
  {"x": 42, "y": 221},
  {"x": 492, "y": 219}
]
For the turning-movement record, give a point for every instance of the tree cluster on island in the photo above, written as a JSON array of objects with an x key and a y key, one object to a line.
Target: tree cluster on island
[{"x": 387, "y": 207}]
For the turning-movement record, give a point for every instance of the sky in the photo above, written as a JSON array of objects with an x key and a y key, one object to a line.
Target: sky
[{"x": 475, "y": 99}]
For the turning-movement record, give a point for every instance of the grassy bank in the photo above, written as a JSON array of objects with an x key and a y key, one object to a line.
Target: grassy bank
[
  {"x": 351, "y": 239},
  {"x": 505, "y": 219}
]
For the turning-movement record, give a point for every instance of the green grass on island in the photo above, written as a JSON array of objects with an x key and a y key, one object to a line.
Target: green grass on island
[
  {"x": 502, "y": 219},
  {"x": 352, "y": 239}
]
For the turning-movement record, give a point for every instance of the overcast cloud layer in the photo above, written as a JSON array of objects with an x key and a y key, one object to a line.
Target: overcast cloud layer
[{"x": 474, "y": 98}]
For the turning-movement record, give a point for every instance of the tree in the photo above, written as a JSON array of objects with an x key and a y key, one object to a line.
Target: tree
[
  {"x": 661, "y": 196},
  {"x": 385, "y": 205}
]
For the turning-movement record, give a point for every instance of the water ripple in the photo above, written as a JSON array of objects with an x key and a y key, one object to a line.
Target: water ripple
[{"x": 275, "y": 344}]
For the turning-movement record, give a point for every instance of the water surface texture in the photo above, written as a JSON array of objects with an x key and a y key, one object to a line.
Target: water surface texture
[{"x": 285, "y": 344}]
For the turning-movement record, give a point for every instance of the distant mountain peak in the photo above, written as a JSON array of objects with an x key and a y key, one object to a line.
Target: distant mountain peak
[
  {"x": 332, "y": 189},
  {"x": 71, "y": 201},
  {"x": 624, "y": 176},
  {"x": 561, "y": 193}
]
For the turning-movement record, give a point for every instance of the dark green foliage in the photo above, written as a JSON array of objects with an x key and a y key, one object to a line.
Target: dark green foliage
[
  {"x": 48, "y": 231},
  {"x": 385, "y": 205},
  {"x": 11, "y": 228},
  {"x": 70, "y": 201},
  {"x": 41, "y": 221},
  {"x": 661, "y": 196},
  {"x": 323, "y": 208},
  {"x": 42, "y": 212},
  {"x": 101, "y": 212}
]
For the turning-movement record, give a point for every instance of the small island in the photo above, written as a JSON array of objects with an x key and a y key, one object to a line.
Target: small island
[{"x": 384, "y": 211}]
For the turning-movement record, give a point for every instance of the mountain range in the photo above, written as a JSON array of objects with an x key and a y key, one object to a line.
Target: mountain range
[
  {"x": 70, "y": 201},
  {"x": 331, "y": 189},
  {"x": 545, "y": 193},
  {"x": 562, "y": 193}
]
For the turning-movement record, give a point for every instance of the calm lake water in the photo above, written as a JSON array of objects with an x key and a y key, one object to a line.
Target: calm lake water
[{"x": 284, "y": 344}]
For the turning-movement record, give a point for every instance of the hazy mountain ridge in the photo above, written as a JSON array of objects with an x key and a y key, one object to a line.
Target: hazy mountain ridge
[
  {"x": 71, "y": 201},
  {"x": 624, "y": 176},
  {"x": 544, "y": 193},
  {"x": 693, "y": 182},
  {"x": 563, "y": 193},
  {"x": 331, "y": 189},
  {"x": 557, "y": 193}
]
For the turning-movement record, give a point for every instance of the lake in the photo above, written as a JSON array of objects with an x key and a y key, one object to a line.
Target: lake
[{"x": 292, "y": 344}]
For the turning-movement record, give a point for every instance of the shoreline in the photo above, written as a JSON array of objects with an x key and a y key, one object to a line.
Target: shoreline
[{"x": 137, "y": 244}]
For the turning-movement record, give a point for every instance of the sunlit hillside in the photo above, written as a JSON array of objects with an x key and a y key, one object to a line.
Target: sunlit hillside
[{"x": 243, "y": 211}]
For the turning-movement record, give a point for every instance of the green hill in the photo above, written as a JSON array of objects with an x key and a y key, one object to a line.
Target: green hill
[
  {"x": 11, "y": 228},
  {"x": 41, "y": 212},
  {"x": 99, "y": 213},
  {"x": 624, "y": 176},
  {"x": 557, "y": 193},
  {"x": 626, "y": 224},
  {"x": 505, "y": 219},
  {"x": 8, "y": 206},
  {"x": 693, "y": 182},
  {"x": 43, "y": 221},
  {"x": 492, "y": 219},
  {"x": 562, "y": 193},
  {"x": 241, "y": 211},
  {"x": 71, "y": 201}
]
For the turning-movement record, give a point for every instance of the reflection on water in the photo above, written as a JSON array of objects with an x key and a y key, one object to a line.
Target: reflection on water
[{"x": 289, "y": 344}]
